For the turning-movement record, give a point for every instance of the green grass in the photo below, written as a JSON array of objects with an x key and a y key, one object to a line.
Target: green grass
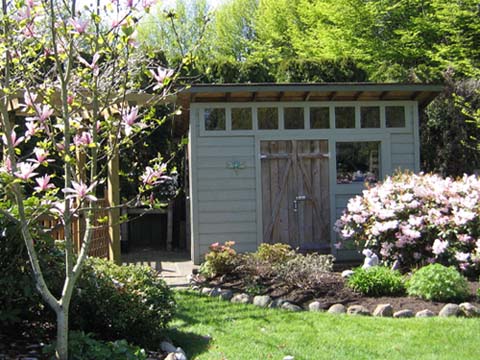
[{"x": 242, "y": 332}]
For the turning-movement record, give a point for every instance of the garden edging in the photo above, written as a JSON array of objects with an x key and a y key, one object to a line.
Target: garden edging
[{"x": 381, "y": 310}]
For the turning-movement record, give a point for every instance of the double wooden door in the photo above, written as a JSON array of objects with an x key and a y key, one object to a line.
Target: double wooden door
[{"x": 295, "y": 192}]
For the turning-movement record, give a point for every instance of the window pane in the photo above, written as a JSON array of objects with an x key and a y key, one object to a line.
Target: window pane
[
  {"x": 370, "y": 117},
  {"x": 214, "y": 119},
  {"x": 358, "y": 162},
  {"x": 320, "y": 118},
  {"x": 344, "y": 117},
  {"x": 293, "y": 118},
  {"x": 241, "y": 119},
  {"x": 267, "y": 118},
  {"x": 395, "y": 116}
]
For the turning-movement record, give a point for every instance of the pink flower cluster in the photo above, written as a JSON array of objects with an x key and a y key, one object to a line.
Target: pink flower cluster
[{"x": 418, "y": 219}]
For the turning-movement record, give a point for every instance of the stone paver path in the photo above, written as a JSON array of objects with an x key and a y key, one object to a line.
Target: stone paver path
[{"x": 173, "y": 267}]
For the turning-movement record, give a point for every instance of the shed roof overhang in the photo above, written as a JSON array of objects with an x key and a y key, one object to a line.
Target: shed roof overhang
[{"x": 261, "y": 92}]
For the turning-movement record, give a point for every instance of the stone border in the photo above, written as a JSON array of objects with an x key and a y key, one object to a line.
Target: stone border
[{"x": 382, "y": 310}]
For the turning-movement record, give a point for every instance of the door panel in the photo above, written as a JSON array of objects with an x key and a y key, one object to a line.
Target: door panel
[{"x": 295, "y": 192}]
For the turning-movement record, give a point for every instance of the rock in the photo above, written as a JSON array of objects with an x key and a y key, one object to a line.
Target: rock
[
  {"x": 195, "y": 288},
  {"x": 289, "y": 357},
  {"x": 383, "y": 310},
  {"x": 262, "y": 301},
  {"x": 347, "y": 273},
  {"x": 358, "y": 310},
  {"x": 449, "y": 310},
  {"x": 226, "y": 294},
  {"x": 469, "y": 310},
  {"x": 425, "y": 313},
  {"x": 277, "y": 303},
  {"x": 171, "y": 356},
  {"x": 406, "y": 313},
  {"x": 180, "y": 354},
  {"x": 206, "y": 291},
  {"x": 215, "y": 292},
  {"x": 241, "y": 298},
  {"x": 291, "y": 307},
  {"x": 167, "y": 347},
  {"x": 315, "y": 306},
  {"x": 337, "y": 309}
]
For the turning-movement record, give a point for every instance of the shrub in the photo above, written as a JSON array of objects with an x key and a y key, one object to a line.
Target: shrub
[
  {"x": 122, "y": 302},
  {"x": 418, "y": 219},
  {"x": 85, "y": 347},
  {"x": 376, "y": 281},
  {"x": 19, "y": 299},
  {"x": 275, "y": 253},
  {"x": 305, "y": 271},
  {"x": 438, "y": 283},
  {"x": 220, "y": 260}
]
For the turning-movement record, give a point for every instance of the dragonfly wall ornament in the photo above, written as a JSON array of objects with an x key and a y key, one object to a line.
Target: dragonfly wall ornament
[{"x": 236, "y": 165}]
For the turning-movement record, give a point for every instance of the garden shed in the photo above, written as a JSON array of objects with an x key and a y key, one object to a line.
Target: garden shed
[{"x": 278, "y": 162}]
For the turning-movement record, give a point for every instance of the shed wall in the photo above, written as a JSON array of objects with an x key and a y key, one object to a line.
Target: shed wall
[{"x": 226, "y": 202}]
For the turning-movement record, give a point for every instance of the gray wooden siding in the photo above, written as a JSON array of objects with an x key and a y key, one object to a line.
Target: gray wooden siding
[
  {"x": 226, "y": 197},
  {"x": 403, "y": 151}
]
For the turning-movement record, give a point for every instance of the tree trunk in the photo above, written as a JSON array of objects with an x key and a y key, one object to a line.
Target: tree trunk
[{"x": 61, "y": 350}]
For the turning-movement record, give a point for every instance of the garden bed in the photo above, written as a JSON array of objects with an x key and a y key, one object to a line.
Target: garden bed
[{"x": 333, "y": 290}]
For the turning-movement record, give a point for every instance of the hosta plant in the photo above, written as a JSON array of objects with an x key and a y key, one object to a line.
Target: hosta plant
[{"x": 417, "y": 220}]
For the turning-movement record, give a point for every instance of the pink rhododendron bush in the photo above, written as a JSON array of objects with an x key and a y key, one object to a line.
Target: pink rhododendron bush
[{"x": 418, "y": 219}]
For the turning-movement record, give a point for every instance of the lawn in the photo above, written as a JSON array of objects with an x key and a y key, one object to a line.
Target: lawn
[{"x": 242, "y": 332}]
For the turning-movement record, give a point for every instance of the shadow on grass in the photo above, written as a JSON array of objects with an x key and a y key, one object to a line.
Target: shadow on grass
[{"x": 194, "y": 309}]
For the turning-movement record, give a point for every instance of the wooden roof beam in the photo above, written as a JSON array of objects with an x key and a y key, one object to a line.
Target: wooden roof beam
[
  {"x": 357, "y": 95},
  {"x": 332, "y": 96},
  {"x": 307, "y": 95},
  {"x": 228, "y": 96},
  {"x": 383, "y": 95},
  {"x": 281, "y": 95},
  {"x": 254, "y": 96},
  {"x": 415, "y": 95}
]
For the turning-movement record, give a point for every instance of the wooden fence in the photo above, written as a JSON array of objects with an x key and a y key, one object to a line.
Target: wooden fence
[{"x": 99, "y": 245}]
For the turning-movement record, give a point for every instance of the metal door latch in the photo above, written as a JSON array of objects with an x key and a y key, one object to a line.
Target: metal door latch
[{"x": 297, "y": 199}]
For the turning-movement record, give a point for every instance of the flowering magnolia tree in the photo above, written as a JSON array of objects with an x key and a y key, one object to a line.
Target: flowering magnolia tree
[
  {"x": 71, "y": 75},
  {"x": 418, "y": 219}
]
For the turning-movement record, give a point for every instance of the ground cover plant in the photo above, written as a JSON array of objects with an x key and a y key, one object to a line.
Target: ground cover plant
[
  {"x": 247, "y": 332},
  {"x": 418, "y": 219}
]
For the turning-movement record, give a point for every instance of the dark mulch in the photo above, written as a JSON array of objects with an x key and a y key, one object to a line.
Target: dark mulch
[{"x": 332, "y": 291}]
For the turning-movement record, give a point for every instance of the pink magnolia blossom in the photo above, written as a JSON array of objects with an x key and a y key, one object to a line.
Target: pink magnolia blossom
[
  {"x": 32, "y": 129},
  {"x": 129, "y": 116},
  {"x": 83, "y": 139},
  {"x": 42, "y": 113},
  {"x": 80, "y": 191},
  {"x": 154, "y": 176},
  {"x": 161, "y": 75},
  {"x": 7, "y": 166},
  {"x": 41, "y": 155},
  {"x": 93, "y": 65},
  {"x": 13, "y": 139},
  {"x": 147, "y": 4},
  {"x": 80, "y": 25},
  {"x": 26, "y": 170},
  {"x": 43, "y": 183}
]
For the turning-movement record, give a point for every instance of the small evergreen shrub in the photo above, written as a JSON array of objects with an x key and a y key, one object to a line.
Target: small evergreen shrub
[
  {"x": 436, "y": 282},
  {"x": 82, "y": 346},
  {"x": 305, "y": 271},
  {"x": 417, "y": 220},
  {"x": 220, "y": 260},
  {"x": 122, "y": 302},
  {"x": 376, "y": 281},
  {"x": 275, "y": 253}
]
